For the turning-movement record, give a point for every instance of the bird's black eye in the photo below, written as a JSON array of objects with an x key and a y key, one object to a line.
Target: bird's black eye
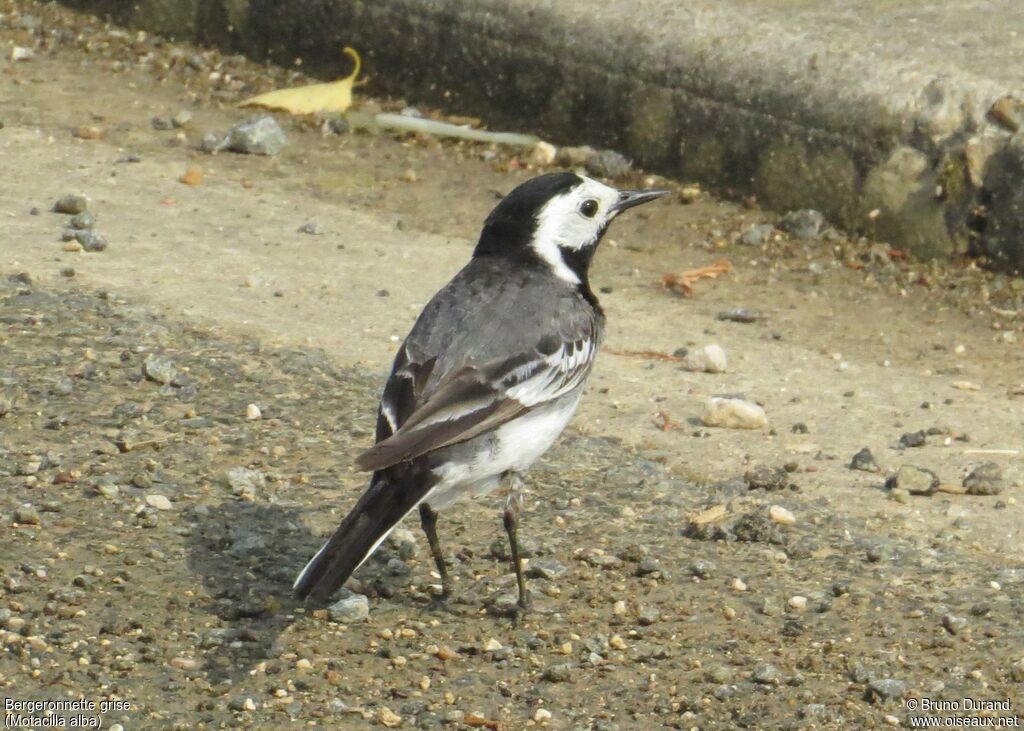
[{"x": 589, "y": 208}]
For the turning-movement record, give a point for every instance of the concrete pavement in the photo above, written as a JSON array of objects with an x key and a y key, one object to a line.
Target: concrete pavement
[{"x": 898, "y": 120}]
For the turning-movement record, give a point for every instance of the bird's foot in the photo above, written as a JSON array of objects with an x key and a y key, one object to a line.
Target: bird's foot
[
  {"x": 523, "y": 607},
  {"x": 507, "y": 605},
  {"x": 442, "y": 600}
]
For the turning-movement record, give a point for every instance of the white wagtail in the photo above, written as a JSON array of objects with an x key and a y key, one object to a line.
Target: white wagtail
[{"x": 489, "y": 376}]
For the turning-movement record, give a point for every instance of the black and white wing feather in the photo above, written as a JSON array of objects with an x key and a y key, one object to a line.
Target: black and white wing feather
[
  {"x": 490, "y": 346},
  {"x": 475, "y": 399}
]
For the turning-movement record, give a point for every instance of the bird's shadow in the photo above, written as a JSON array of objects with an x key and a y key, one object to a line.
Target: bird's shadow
[{"x": 247, "y": 556}]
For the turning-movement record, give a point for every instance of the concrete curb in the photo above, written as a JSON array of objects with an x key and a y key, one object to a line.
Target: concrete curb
[{"x": 919, "y": 153}]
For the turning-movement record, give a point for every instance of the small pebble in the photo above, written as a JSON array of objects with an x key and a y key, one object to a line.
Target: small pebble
[
  {"x": 885, "y": 689},
  {"x": 912, "y": 439},
  {"x": 608, "y": 164},
  {"x": 90, "y": 240},
  {"x": 733, "y": 413},
  {"x": 798, "y": 602},
  {"x": 107, "y": 488},
  {"x": 739, "y": 314},
  {"x": 763, "y": 477},
  {"x": 915, "y": 480},
  {"x": 558, "y": 673},
  {"x": 543, "y": 154},
  {"x": 388, "y": 718},
  {"x": 707, "y": 359},
  {"x": 73, "y": 203},
  {"x": 803, "y": 224},
  {"x": 703, "y": 569},
  {"x": 352, "y": 608},
  {"x": 542, "y": 715},
  {"x": 85, "y": 219},
  {"x": 953, "y": 624},
  {"x": 159, "y": 369},
  {"x": 985, "y": 479},
  {"x": 87, "y": 132},
  {"x": 160, "y": 502},
  {"x": 26, "y": 515},
  {"x": 192, "y": 176},
  {"x": 258, "y": 136},
  {"x": 574, "y": 157},
  {"x": 757, "y": 234},
  {"x": 766, "y": 674},
  {"x": 781, "y": 515},
  {"x": 689, "y": 193},
  {"x": 253, "y": 413},
  {"x": 864, "y": 461}
]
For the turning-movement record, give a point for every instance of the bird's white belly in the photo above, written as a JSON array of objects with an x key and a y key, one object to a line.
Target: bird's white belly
[{"x": 475, "y": 468}]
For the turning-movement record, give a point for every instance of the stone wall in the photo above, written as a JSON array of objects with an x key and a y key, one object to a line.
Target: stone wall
[{"x": 940, "y": 180}]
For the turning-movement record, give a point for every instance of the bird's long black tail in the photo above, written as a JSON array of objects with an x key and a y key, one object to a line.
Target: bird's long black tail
[{"x": 380, "y": 509}]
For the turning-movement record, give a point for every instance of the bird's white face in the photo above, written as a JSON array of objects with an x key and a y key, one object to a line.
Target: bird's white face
[{"x": 573, "y": 221}]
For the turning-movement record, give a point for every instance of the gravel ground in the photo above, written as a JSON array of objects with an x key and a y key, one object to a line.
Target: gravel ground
[
  {"x": 163, "y": 474},
  {"x": 152, "y": 529}
]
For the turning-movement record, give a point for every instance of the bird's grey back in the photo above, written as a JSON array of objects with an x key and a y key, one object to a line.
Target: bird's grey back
[{"x": 490, "y": 311}]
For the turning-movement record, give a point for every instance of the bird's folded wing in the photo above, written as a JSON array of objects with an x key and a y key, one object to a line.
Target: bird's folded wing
[{"x": 477, "y": 399}]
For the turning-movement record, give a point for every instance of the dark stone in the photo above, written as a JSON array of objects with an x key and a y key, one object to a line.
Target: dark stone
[
  {"x": 985, "y": 479},
  {"x": 803, "y": 224},
  {"x": 766, "y": 478},
  {"x": 912, "y": 439},
  {"x": 864, "y": 461}
]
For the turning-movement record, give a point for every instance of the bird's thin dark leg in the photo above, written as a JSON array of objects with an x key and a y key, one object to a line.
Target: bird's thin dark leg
[
  {"x": 428, "y": 519},
  {"x": 512, "y": 528}
]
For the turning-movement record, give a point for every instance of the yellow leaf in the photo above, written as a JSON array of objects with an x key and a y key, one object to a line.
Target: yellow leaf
[{"x": 335, "y": 96}]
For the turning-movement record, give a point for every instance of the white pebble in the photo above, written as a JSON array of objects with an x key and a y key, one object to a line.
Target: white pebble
[
  {"x": 733, "y": 413},
  {"x": 798, "y": 602},
  {"x": 739, "y": 584},
  {"x": 492, "y": 645},
  {"x": 542, "y": 715},
  {"x": 780, "y": 515},
  {"x": 708, "y": 359},
  {"x": 252, "y": 412},
  {"x": 543, "y": 153},
  {"x": 160, "y": 502}
]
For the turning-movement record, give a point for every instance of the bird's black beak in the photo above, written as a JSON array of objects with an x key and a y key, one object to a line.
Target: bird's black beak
[{"x": 630, "y": 198}]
